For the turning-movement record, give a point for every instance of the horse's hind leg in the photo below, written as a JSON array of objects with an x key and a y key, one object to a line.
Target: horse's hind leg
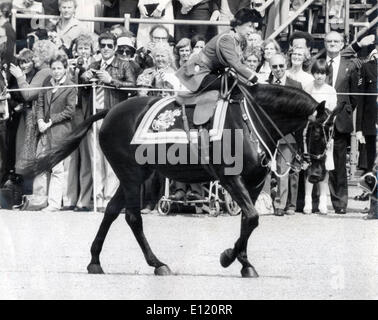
[
  {"x": 249, "y": 221},
  {"x": 113, "y": 209},
  {"x": 134, "y": 220}
]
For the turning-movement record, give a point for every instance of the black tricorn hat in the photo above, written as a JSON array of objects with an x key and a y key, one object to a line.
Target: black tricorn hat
[{"x": 246, "y": 15}]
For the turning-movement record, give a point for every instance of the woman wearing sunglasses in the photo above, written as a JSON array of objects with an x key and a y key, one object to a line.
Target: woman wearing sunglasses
[{"x": 126, "y": 52}]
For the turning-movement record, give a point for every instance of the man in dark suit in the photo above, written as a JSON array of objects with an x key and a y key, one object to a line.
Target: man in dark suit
[
  {"x": 366, "y": 119},
  {"x": 287, "y": 192},
  {"x": 343, "y": 71}
]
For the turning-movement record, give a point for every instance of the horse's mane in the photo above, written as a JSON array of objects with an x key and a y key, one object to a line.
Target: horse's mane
[{"x": 283, "y": 99}]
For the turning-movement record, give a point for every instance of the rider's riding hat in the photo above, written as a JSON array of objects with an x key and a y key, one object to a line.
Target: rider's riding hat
[{"x": 246, "y": 15}]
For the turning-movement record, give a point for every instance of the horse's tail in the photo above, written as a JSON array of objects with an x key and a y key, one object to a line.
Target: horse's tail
[{"x": 53, "y": 156}]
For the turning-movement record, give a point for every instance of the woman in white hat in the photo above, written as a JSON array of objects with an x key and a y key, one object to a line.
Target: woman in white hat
[{"x": 126, "y": 51}]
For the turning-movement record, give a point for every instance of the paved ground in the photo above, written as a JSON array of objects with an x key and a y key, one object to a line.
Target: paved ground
[{"x": 44, "y": 256}]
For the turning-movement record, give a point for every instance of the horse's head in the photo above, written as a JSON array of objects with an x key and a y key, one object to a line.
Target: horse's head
[{"x": 317, "y": 136}]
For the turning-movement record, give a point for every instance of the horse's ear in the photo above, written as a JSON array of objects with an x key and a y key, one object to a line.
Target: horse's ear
[{"x": 320, "y": 109}]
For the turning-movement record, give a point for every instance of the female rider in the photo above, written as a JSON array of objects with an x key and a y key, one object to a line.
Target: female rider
[{"x": 224, "y": 50}]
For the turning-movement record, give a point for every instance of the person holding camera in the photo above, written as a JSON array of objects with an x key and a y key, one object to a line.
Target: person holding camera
[
  {"x": 113, "y": 72},
  {"x": 78, "y": 196}
]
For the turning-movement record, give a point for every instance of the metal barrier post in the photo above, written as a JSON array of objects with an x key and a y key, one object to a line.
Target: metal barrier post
[
  {"x": 127, "y": 21},
  {"x": 94, "y": 160}
]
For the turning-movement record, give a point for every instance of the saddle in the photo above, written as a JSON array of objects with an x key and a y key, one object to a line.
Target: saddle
[{"x": 204, "y": 105}]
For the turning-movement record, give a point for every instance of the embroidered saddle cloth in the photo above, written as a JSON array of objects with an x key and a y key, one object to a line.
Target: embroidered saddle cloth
[{"x": 163, "y": 123}]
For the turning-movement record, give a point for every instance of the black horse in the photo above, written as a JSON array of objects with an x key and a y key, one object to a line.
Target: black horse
[{"x": 273, "y": 110}]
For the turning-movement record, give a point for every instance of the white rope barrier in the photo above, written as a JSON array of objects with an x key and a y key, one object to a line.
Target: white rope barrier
[
  {"x": 159, "y": 90},
  {"x": 94, "y": 86}
]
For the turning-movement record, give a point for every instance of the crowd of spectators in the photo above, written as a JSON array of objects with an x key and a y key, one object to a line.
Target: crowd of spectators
[{"x": 65, "y": 51}]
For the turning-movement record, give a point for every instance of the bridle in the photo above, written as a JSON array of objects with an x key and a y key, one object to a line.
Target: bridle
[
  {"x": 328, "y": 140},
  {"x": 300, "y": 157}
]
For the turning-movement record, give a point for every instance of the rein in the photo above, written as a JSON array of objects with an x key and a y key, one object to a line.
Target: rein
[{"x": 273, "y": 166}]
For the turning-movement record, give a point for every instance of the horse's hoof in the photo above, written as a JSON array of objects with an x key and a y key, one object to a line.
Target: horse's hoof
[
  {"x": 163, "y": 271},
  {"x": 227, "y": 257},
  {"x": 249, "y": 272},
  {"x": 95, "y": 269}
]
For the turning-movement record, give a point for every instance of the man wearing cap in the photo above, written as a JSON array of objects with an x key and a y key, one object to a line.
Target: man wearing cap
[{"x": 224, "y": 50}]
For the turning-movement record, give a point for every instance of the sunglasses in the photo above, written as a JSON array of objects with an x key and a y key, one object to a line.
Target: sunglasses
[
  {"x": 104, "y": 45},
  {"x": 124, "y": 51},
  {"x": 257, "y": 5},
  {"x": 334, "y": 41},
  {"x": 276, "y": 66},
  {"x": 160, "y": 38}
]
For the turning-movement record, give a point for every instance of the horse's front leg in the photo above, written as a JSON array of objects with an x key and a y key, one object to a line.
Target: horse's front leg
[
  {"x": 135, "y": 222},
  {"x": 249, "y": 221},
  {"x": 308, "y": 197},
  {"x": 323, "y": 190}
]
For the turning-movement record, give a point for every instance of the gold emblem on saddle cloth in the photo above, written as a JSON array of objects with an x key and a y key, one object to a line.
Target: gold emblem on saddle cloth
[{"x": 165, "y": 120}]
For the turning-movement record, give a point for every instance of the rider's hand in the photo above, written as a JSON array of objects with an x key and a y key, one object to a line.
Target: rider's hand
[{"x": 360, "y": 137}]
